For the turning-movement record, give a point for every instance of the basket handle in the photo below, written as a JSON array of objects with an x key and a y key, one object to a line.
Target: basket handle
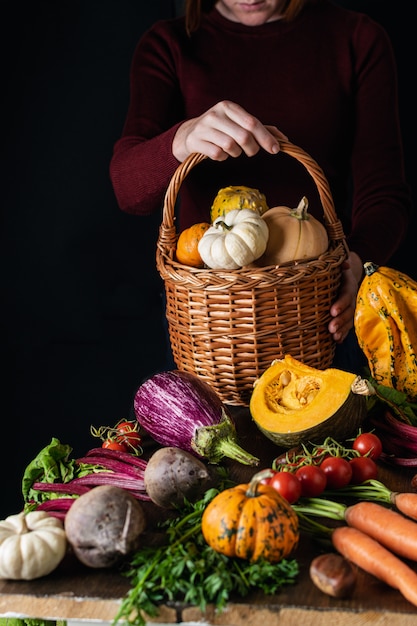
[{"x": 167, "y": 233}]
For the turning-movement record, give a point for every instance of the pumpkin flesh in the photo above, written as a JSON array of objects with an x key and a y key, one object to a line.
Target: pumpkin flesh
[{"x": 292, "y": 402}]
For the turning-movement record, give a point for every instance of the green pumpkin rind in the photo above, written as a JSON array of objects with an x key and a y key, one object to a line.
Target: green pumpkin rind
[{"x": 343, "y": 423}]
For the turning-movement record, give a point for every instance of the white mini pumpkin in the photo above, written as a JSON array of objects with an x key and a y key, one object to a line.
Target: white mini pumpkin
[
  {"x": 31, "y": 545},
  {"x": 234, "y": 240}
]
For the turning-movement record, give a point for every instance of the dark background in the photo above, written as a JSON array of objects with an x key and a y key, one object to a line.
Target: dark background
[{"x": 81, "y": 312}]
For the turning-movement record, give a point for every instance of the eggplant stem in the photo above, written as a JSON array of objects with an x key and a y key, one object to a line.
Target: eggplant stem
[{"x": 219, "y": 440}]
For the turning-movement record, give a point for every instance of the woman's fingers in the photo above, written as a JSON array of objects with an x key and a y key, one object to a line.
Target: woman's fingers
[{"x": 225, "y": 130}]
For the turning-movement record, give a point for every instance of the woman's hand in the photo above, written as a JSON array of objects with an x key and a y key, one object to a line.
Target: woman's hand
[
  {"x": 225, "y": 130},
  {"x": 343, "y": 309}
]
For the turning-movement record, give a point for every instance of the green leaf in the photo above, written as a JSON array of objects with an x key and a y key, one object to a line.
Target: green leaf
[
  {"x": 52, "y": 464},
  {"x": 396, "y": 400}
]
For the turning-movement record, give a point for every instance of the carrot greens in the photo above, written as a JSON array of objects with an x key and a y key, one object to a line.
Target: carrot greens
[{"x": 185, "y": 569}]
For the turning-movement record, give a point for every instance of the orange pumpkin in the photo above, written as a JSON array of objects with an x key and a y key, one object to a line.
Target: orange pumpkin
[
  {"x": 251, "y": 521},
  {"x": 187, "y": 245}
]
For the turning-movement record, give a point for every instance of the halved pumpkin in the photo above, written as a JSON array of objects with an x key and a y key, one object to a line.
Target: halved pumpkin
[{"x": 293, "y": 403}]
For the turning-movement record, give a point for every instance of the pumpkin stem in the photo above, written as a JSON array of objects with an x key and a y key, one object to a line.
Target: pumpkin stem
[
  {"x": 221, "y": 225},
  {"x": 370, "y": 268},
  {"x": 252, "y": 490},
  {"x": 220, "y": 440},
  {"x": 301, "y": 211}
]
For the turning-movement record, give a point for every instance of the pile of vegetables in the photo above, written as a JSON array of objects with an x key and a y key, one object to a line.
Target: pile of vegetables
[{"x": 218, "y": 537}]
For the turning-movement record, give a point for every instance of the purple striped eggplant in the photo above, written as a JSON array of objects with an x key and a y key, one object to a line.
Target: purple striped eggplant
[{"x": 179, "y": 409}]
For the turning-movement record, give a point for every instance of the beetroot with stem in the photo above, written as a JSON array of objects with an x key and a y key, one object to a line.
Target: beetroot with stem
[{"x": 179, "y": 409}]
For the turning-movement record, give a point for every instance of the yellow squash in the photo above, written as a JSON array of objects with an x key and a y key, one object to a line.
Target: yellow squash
[
  {"x": 386, "y": 327},
  {"x": 237, "y": 197}
]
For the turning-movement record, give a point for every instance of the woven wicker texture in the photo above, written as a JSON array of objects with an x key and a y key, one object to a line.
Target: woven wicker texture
[{"x": 227, "y": 326}]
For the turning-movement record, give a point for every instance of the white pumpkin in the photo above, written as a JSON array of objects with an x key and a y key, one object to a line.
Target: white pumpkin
[
  {"x": 234, "y": 240},
  {"x": 31, "y": 545}
]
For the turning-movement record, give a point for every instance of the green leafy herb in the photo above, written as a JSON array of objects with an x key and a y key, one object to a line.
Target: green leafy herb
[
  {"x": 187, "y": 570},
  {"x": 397, "y": 400}
]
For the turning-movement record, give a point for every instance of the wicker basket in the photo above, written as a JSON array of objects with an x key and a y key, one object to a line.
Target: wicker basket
[{"x": 227, "y": 326}]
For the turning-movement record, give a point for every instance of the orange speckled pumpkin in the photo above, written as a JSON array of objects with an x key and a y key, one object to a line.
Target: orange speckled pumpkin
[
  {"x": 187, "y": 245},
  {"x": 251, "y": 521}
]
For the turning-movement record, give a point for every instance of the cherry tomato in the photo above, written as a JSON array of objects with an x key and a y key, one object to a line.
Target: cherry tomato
[
  {"x": 111, "y": 444},
  {"x": 128, "y": 434},
  {"x": 363, "y": 468},
  {"x": 338, "y": 471},
  {"x": 287, "y": 485},
  {"x": 313, "y": 480},
  {"x": 368, "y": 444}
]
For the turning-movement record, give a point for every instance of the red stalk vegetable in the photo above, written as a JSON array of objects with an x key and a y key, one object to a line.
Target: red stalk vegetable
[
  {"x": 399, "y": 440},
  {"x": 53, "y": 473},
  {"x": 58, "y": 507},
  {"x": 180, "y": 410},
  {"x": 103, "y": 453},
  {"x": 113, "y": 465}
]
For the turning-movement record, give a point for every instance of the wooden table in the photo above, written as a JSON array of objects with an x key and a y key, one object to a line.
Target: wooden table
[{"x": 75, "y": 592}]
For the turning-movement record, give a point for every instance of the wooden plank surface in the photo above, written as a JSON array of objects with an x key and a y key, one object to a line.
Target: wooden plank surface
[{"x": 76, "y": 592}]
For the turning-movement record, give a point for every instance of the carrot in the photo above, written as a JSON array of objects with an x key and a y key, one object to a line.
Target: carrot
[
  {"x": 390, "y": 528},
  {"x": 376, "y": 560},
  {"x": 405, "y": 502}
]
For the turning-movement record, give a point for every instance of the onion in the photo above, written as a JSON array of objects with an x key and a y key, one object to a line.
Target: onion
[{"x": 179, "y": 409}]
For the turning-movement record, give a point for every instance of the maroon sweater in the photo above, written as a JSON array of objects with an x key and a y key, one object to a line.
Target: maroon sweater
[{"x": 327, "y": 80}]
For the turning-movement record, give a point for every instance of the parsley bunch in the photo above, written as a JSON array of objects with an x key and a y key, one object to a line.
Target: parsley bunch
[{"x": 186, "y": 569}]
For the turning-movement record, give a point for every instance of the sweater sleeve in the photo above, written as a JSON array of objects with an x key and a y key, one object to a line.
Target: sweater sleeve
[
  {"x": 142, "y": 163},
  {"x": 381, "y": 198}
]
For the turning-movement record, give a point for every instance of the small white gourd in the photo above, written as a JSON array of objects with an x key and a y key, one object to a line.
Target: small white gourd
[
  {"x": 234, "y": 240},
  {"x": 31, "y": 545}
]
